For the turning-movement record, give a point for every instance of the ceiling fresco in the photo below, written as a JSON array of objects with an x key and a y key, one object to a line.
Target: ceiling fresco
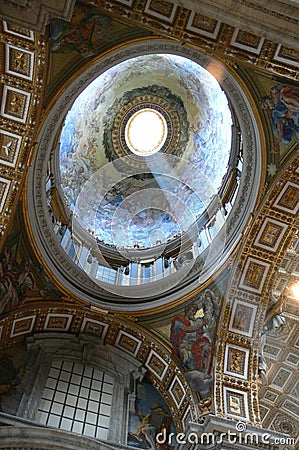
[
  {"x": 200, "y": 137},
  {"x": 197, "y": 366}
]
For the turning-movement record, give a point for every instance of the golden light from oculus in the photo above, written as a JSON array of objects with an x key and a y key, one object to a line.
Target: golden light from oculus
[{"x": 146, "y": 132}]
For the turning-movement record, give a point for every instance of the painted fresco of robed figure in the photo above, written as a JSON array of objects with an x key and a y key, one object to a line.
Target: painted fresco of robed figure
[{"x": 191, "y": 336}]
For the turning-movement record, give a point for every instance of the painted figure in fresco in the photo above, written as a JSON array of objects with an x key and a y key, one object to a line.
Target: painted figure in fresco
[
  {"x": 77, "y": 35},
  {"x": 8, "y": 294},
  {"x": 16, "y": 281},
  {"x": 9, "y": 377},
  {"x": 149, "y": 417},
  {"x": 152, "y": 424},
  {"x": 283, "y": 103},
  {"x": 192, "y": 336},
  {"x": 190, "y": 342}
]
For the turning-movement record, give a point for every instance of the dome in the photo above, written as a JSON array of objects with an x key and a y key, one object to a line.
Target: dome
[
  {"x": 145, "y": 175},
  {"x": 151, "y": 112}
]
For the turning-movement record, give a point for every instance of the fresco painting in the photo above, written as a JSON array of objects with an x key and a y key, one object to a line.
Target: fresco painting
[
  {"x": 151, "y": 415},
  {"x": 282, "y": 102},
  {"x": 80, "y": 34},
  {"x": 21, "y": 278},
  {"x": 12, "y": 368},
  {"x": 135, "y": 222},
  {"x": 192, "y": 337}
]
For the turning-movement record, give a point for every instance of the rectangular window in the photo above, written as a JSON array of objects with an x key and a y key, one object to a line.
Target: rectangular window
[{"x": 77, "y": 398}]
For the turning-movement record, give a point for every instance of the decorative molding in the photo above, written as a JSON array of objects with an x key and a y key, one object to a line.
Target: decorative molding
[
  {"x": 242, "y": 318},
  {"x": 19, "y": 62},
  {"x": 23, "y": 56},
  {"x": 270, "y": 235},
  {"x": 215, "y": 29},
  {"x": 236, "y": 361},
  {"x": 236, "y": 403},
  {"x": 10, "y": 144},
  {"x": 94, "y": 327},
  {"x": 254, "y": 275},
  {"x": 128, "y": 343},
  {"x": 15, "y": 104},
  {"x": 156, "y": 364},
  {"x": 58, "y": 322},
  {"x": 288, "y": 199},
  {"x": 177, "y": 391},
  {"x": 22, "y": 326}
]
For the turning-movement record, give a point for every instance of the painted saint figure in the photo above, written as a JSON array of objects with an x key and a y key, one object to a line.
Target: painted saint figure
[
  {"x": 153, "y": 423},
  {"x": 190, "y": 342},
  {"x": 283, "y": 103},
  {"x": 191, "y": 335}
]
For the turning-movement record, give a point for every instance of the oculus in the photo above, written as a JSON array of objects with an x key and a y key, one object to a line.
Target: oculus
[{"x": 146, "y": 132}]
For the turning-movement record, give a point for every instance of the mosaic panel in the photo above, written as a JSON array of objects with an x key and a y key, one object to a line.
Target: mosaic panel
[
  {"x": 247, "y": 41},
  {"x": 23, "y": 325},
  {"x": 203, "y": 25},
  {"x": 19, "y": 62},
  {"x": 95, "y": 327},
  {"x": 59, "y": 322},
  {"x": 9, "y": 148},
  {"x": 4, "y": 189},
  {"x": 156, "y": 364},
  {"x": 235, "y": 403},
  {"x": 236, "y": 361},
  {"x": 270, "y": 234},
  {"x": 177, "y": 391},
  {"x": 242, "y": 318},
  {"x": 128, "y": 342},
  {"x": 161, "y": 9},
  {"x": 288, "y": 199},
  {"x": 18, "y": 31},
  {"x": 254, "y": 275},
  {"x": 15, "y": 104}
]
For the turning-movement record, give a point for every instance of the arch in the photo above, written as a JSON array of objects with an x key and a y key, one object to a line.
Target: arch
[{"x": 105, "y": 334}]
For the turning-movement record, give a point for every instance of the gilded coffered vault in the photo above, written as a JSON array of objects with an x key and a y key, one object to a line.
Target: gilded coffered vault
[{"x": 144, "y": 318}]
